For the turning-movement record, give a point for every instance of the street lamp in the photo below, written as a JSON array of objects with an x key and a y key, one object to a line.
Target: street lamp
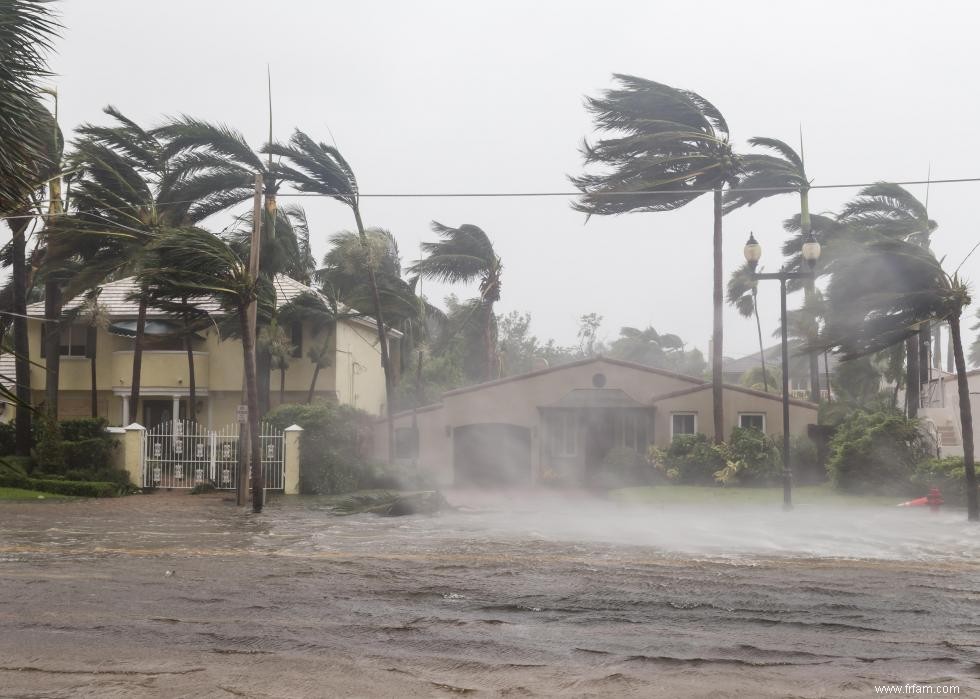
[{"x": 810, "y": 253}]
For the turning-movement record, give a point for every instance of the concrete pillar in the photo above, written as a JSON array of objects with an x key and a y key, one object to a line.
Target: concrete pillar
[
  {"x": 175, "y": 413},
  {"x": 291, "y": 460},
  {"x": 125, "y": 410},
  {"x": 133, "y": 452}
]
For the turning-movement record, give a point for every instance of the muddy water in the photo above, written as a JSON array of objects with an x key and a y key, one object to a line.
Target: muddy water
[{"x": 508, "y": 596}]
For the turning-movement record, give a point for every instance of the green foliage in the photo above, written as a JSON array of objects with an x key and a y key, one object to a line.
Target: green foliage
[
  {"x": 857, "y": 381},
  {"x": 754, "y": 456},
  {"x": 88, "y": 489},
  {"x": 805, "y": 459},
  {"x": 621, "y": 467},
  {"x": 876, "y": 452},
  {"x": 79, "y": 429},
  {"x": 690, "y": 459},
  {"x": 947, "y": 474},
  {"x": 333, "y": 447},
  {"x": 88, "y": 454},
  {"x": 8, "y": 433},
  {"x": 771, "y": 382},
  {"x": 49, "y": 452},
  {"x": 663, "y": 351}
]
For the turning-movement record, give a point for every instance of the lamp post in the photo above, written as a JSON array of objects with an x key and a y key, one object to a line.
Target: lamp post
[{"x": 811, "y": 253}]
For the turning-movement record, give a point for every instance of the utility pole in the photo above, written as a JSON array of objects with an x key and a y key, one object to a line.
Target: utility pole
[{"x": 247, "y": 458}]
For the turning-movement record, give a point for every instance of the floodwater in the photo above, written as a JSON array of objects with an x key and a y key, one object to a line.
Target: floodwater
[{"x": 167, "y": 595}]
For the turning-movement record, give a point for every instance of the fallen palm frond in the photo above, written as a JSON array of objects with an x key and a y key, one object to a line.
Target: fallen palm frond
[{"x": 392, "y": 504}]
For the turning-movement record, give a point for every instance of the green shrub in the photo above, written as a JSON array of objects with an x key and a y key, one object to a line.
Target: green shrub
[
  {"x": 88, "y": 454},
  {"x": 805, "y": 460},
  {"x": 621, "y": 467},
  {"x": 84, "y": 489},
  {"x": 756, "y": 458},
  {"x": 107, "y": 474},
  {"x": 691, "y": 459},
  {"x": 948, "y": 474},
  {"x": 83, "y": 428},
  {"x": 876, "y": 452},
  {"x": 334, "y": 446},
  {"x": 49, "y": 452}
]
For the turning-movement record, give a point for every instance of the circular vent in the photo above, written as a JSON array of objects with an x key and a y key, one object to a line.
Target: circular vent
[{"x": 599, "y": 380}]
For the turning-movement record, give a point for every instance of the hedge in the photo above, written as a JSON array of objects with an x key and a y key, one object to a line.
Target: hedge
[{"x": 85, "y": 489}]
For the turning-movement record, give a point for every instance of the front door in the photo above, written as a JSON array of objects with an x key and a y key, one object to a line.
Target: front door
[{"x": 159, "y": 410}]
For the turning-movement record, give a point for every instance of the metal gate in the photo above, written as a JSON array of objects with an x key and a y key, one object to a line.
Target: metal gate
[{"x": 183, "y": 454}]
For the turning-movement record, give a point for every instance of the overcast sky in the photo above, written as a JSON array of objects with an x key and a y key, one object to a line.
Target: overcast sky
[{"x": 462, "y": 96}]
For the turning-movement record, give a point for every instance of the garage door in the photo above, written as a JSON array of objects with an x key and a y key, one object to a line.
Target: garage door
[{"x": 492, "y": 454}]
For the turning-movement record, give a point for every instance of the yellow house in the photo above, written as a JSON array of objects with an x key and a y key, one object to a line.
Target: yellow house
[{"x": 354, "y": 375}]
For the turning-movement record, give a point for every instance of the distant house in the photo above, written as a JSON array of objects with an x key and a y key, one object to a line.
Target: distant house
[
  {"x": 353, "y": 376},
  {"x": 799, "y": 376},
  {"x": 566, "y": 419}
]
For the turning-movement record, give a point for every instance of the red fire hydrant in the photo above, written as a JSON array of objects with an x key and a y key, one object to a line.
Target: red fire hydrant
[{"x": 935, "y": 499}]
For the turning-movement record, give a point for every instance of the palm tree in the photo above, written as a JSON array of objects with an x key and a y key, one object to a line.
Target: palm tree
[
  {"x": 887, "y": 210},
  {"x": 669, "y": 147},
  {"x": 319, "y": 355},
  {"x": 320, "y": 169},
  {"x": 27, "y": 28},
  {"x": 463, "y": 255},
  {"x": 275, "y": 341},
  {"x": 764, "y": 176},
  {"x": 96, "y": 318},
  {"x": 881, "y": 297},
  {"x": 192, "y": 262},
  {"x": 645, "y": 346},
  {"x": 123, "y": 198},
  {"x": 743, "y": 294}
]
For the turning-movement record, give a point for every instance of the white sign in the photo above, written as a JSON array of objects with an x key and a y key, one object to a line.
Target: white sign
[{"x": 242, "y": 413}]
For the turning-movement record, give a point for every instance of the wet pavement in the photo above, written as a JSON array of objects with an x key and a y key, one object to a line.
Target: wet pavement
[{"x": 176, "y": 595}]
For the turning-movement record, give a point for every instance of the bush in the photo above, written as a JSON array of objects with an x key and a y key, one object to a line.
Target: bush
[
  {"x": 691, "y": 459},
  {"x": 621, "y": 467},
  {"x": 754, "y": 458},
  {"x": 876, "y": 452},
  {"x": 88, "y": 454},
  {"x": 8, "y": 438},
  {"x": 83, "y": 428},
  {"x": 948, "y": 474},
  {"x": 49, "y": 452},
  {"x": 334, "y": 447},
  {"x": 805, "y": 460},
  {"x": 84, "y": 489}
]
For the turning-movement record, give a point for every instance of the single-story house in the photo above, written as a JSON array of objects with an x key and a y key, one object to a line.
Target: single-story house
[{"x": 566, "y": 419}]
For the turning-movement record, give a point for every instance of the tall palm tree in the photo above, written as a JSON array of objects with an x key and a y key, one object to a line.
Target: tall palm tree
[
  {"x": 318, "y": 168},
  {"x": 743, "y": 294},
  {"x": 27, "y": 28},
  {"x": 123, "y": 198},
  {"x": 882, "y": 297},
  {"x": 887, "y": 210},
  {"x": 766, "y": 175},
  {"x": 668, "y": 147},
  {"x": 191, "y": 262},
  {"x": 463, "y": 255},
  {"x": 645, "y": 346},
  {"x": 96, "y": 318}
]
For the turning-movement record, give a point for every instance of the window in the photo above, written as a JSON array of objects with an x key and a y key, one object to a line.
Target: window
[
  {"x": 73, "y": 341},
  {"x": 752, "y": 421},
  {"x": 406, "y": 443},
  {"x": 683, "y": 423},
  {"x": 562, "y": 434},
  {"x": 630, "y": 430},
  {"x": 296, "y": 338}
]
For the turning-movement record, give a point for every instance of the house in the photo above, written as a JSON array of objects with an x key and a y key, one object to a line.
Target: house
[
  {"x": 733, "y": 370},
  {"x": 353, "y": 376},
  {"x": 566, "y": 419}
]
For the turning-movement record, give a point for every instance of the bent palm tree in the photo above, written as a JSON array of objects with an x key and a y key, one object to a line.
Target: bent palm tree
[
  {"x": 669, "y": 147},
  {"x": 768, "y": 175},
  {"x": 881, "y": 297},
  {"x": 190, "y": 262},
  {"x": 321, "y": 169},
  {"x": 743, "y": 295},
  {"x": 463, "y": 255}
]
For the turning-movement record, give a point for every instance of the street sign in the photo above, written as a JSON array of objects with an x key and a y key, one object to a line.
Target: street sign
[{"x": 242, "y": 413}]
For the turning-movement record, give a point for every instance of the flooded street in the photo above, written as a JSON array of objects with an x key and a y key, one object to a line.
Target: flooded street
[{"x": 187, "y": 596}]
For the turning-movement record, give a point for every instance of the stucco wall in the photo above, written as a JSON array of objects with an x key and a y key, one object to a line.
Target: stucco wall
[{"x": 359, "y": 379}]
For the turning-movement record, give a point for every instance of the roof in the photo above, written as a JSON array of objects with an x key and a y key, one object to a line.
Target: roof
[
  {"x": 597, "y": 398},
  {"x": 577, "y": 363},
  {"x": 737, "y": 389},
  {"x": 772, "y": 353},
  {"x": 8, "y": 371},
  {"x": 118, "y": 298}
]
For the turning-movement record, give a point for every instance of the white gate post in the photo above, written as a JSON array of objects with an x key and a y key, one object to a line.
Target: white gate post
[
  {"x": 134, "y": 457},
  {"x": 213, "y": 450},
  {"x": 291, "y": 460}
]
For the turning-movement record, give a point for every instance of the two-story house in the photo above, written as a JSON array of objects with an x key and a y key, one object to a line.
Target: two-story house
[{"x": 354, "y": 375}]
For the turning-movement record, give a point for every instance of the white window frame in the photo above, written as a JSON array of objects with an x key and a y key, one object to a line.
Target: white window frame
[
  {"x": 762, "y": 415},
  {"x": 683, "y": 412},
  {"x": 72, "y": 329}
]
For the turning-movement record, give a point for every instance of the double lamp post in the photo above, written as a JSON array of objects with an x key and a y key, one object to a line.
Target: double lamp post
[{"x": 810, "y": 253}]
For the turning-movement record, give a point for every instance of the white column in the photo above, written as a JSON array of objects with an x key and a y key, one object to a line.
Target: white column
[
  {"x": 210, "y": 414},
  {"x": 125, "y": 411},
  {"x": 176, "y": 409}
]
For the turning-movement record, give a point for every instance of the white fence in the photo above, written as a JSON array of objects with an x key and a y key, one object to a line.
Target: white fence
[{"x": 183, "y": 454}]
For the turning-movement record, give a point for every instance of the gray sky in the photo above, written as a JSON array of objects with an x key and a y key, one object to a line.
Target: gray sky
[{"x": 465, "y": 96}]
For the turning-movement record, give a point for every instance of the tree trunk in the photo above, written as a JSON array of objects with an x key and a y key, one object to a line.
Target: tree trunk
[
  {"x": 191, "y": 378},
  {"x": 52, "y": 345},
  {"x": 912, "y": 399},
  {"x": 966, "y": 420},
  {"x": 282, "y": 385},
  {"x": 950, "y": 362},
  {"x": 316, "y": 373},
  {"x": 382, "y": 337},
  {"x": 488, "y": 338},
  {"x": 925, "y": 358},
  {"x": 826, "y": 373},
  {"x": 717, "y": 335},
  {"x": 809, "y": 293},
  {"x": 762, "y": 350},
  {"x": 252, "y": 400},
  {"x": 936, "y": 346},
  {"x": 22, "y": 359},
  {"x": 91, "y": 349},
  {"x": 263, "y": 378},
  {"x": 134, "y": 391}
]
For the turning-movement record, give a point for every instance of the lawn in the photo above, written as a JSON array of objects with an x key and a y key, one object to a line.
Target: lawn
[
  {"x": 20, "y": 494},
  {"x": 692, "y": 494}
]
